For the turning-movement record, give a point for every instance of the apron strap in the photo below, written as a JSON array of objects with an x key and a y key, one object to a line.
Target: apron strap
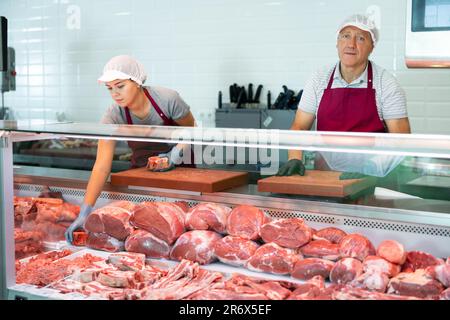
[
  {"x": 166, "y": 120},
  {"x": 369, "y": 77},
  {"x": 128, "y": 115}
]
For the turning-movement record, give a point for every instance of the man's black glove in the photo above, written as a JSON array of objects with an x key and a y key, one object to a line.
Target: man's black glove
[
  {"x": 352, "y": 175},
  {"x": 293, "y": 166}
]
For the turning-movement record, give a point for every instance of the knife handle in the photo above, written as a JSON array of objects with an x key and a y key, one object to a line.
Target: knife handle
[
  {"x": 258, "y": 93},
  {"x": 220, "y": 100},
  {"x": 250, "y": 93}
]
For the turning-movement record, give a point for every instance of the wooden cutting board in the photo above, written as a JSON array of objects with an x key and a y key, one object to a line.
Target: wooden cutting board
[
  {"x": 191, "y": 179},
  {"x": 315, "y": 183}
]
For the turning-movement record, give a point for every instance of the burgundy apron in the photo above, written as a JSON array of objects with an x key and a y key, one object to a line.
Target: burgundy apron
[
  {"x": 349, "y": 110},
  {"x": 141, "y": 151}
]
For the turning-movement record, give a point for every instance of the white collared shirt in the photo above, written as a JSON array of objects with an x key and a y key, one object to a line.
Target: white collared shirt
[{"x": 390, "y": 97}]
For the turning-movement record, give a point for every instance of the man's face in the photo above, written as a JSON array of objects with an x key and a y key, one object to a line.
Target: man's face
[
  {"x": 354, "y": 46},
  {"x": 122, "y": 91}
]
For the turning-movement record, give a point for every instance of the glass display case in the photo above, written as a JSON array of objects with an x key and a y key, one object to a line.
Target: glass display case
[{"x": 401, "y": 191}]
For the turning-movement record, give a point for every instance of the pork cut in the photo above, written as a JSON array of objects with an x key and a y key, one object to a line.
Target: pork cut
[
  {"x": 273, "y": 259},
  {"x": 309, "y": 268},
  {"x": 208, "y": 216},
  {"x": 334, "y": 235},
  {"x": 289, "y": 233},
  {"x": 164, "y": 220},
  {"x": 392, "y": 251},
  {"x": 245, "y": 221},
  {"x": 104, "y": 242},
  {"x": 113, "y": 219},
  {"x": 346, "y": 270},
  {"x": 373, "y": 280},
  {"x": 196, "y": 246},
  {"x": 127, "y": 261},
  {"x": 418, "y": 284},
  {"x": 321, "y": 249},
  {"x": 356, "y": 246},
  {"x": 419, "y": 260},
  {"x": 441, "y": 273},
  {"x": 313, "y": 289},
  {"x": 376, "y": 263},
  {"x": 234, "y": 250},
  {"x": 142, "y": 241}
]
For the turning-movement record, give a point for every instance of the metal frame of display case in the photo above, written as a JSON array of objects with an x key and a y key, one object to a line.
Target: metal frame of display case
[{"x": 429, "y": 228}]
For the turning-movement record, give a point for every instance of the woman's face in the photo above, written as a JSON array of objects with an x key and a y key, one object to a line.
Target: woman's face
[{"x": 123, "y": 92}]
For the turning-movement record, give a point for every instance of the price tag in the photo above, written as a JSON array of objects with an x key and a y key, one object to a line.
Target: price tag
[{"x": 268, "y": 121}]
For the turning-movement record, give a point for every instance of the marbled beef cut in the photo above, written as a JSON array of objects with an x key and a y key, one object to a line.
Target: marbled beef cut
[
  {"x": 289, "y": 233},
  {"x": 245, "y": 221}
]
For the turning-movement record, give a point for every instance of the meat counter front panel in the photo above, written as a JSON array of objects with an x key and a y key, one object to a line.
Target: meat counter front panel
[{"x": 178, "y": 250}]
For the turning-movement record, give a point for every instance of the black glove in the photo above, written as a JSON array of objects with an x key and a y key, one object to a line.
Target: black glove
[
  {"x": 293, "y": 166},
  {"x": 352, "y": 175}
]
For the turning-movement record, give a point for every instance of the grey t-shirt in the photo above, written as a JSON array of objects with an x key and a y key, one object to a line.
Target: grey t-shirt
[{"x": 169, "y": 101}]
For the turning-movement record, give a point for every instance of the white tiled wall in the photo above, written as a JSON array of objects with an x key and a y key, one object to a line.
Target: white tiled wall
[{"x": 197, "y": 47}]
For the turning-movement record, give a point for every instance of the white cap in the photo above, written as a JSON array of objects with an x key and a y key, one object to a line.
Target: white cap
[
  {"x": 123, "y": 67},
  {"x": 362, "y": 22}
]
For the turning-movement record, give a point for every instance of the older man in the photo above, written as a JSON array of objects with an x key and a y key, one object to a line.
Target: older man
[{"x": 355, "y": 95}]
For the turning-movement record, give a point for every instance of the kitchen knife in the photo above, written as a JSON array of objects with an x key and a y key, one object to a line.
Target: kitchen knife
[
  {"x": 269, "y": 100},
  {"x": 250, "y": 93},
  {"x": 287, "y": 99},
  {"x": 279, "y": 101},
  {"x": 258, "y": 93},
  {"x": 240, "y": 98},
  {"x": 220, "y": 100},
  {"x": 232, "y": 94},
  {"x": 285, "y": 89}
]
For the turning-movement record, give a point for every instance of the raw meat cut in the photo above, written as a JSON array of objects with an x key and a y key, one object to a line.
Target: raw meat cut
[
  {"x": 197, "y": 246},
  {"x": 346, "y": 270},
  {"x": 208, "y": 216},
  {"x": 104, "y": 242},
  {"x": 50, "y": 231},
  {"x": 334, "y": 235},
  {"x": 157, "y": 163},
  {"x": 445, "y": 295},
  {"x": 116, "y": 279},
  {"x": 144, "y": 242},
  {"x": 321, "y": 249},
  {"x": 376, "y": 263},
  {"x": 127, "y": 261},
  {"x": 373, "y": 280},
  {"x": 309, "y": 268},
  {"x": 27, "y": 243},
  {"x": 418, "y": 284},
  {"x": 234, "y": 250},
  {"x": 56, "y": 212},
  {"x": 441, "y": 273},
  {"x": 351, "y": 293},
  {"x": 113, "y": 219},
  {"x": 313, "y": 289},
  {"x": 273, "y": 259},
  {"x": 419, "y": 260},
  {"x": 356, "y": 246},
  {"x": 271, "y": 289},
  {"x": 79, "y": 238},
  {"x": 289, "y": 233},
  {"x": 245, "y": 221},
  {"x": 392, "y": 251},
  {"x": 164, "y": 220}
]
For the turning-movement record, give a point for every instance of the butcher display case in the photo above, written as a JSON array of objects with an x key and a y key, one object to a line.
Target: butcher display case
[{"x": 382, "y": 186}]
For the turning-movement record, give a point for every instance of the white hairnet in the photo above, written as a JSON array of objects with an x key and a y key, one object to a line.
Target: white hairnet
[
  {"x": 362, "y": 22},
  {"x": 123, "y": 67}
]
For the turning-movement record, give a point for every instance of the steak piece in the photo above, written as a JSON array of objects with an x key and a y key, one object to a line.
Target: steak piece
[
  {"x": 309, "y": 268},
  {"x": 208, "y": 216},
  {"x": 419, "y": 260},
  {"x": 104, "y": 242},
  {"x": 351, "y": 293},
  {"x": 376, "y": 263},
  {"x": 289, "y": 233},
  {"x": 196, "y": 246},
  {"x": 392, "y": 251},
  {"x": 418, "y": 284},
  {"x": 234, "y": 250},
  {"x": 116, "y": 279},
  {"x": 441, "y": 273},
  {"x": 346, "y": 270},
  {"x": 144, "y": 242},
  {"x": 373, "y": 280},
  {"x": 356, "y": 246},
  {"x": 321, "y": 249},
  {"x": 273, "y": 259},
  {"x": 246, "y": 221},
  {"x": 313, "y": 289},
  {"x": 113, "y": 219},
  {"x": 164, "y": 220},
  {"x": 80, "y": 238},
  {"x": 157, "y": 163},
  {"x": 334, "y": 235}
]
